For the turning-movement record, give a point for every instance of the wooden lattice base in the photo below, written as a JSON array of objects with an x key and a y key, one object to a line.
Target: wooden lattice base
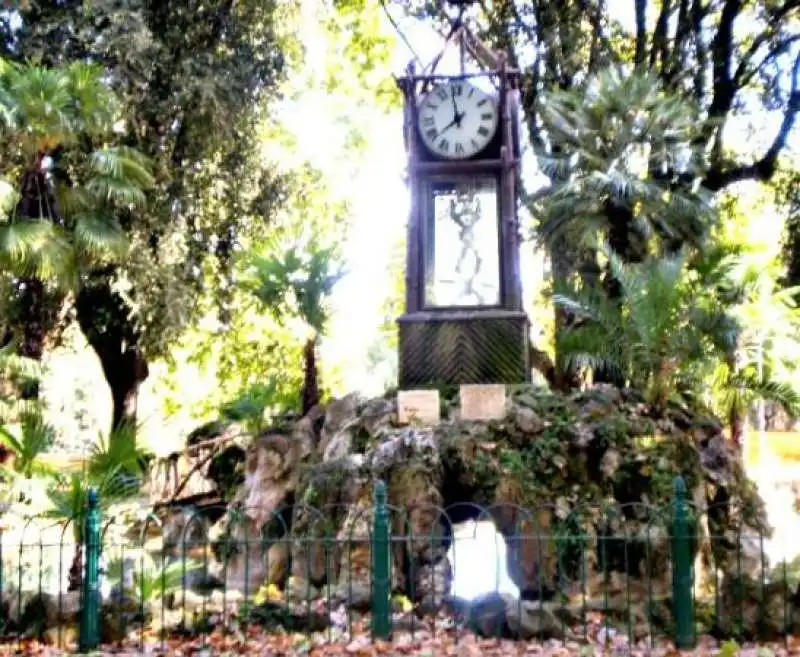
[{"x": 455, "y": 347}]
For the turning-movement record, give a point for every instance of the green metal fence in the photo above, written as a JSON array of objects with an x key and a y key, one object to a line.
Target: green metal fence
[{"x": 633, "y": 574}]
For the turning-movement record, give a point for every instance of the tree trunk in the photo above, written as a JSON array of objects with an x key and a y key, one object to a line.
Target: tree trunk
[
  {"x": 75, "y": 575},
  {"x": 310, "y": 394},
  {"x": 623, "y": 244},
  {"x": 31, "y": 322},
  {"x": 542, "y": 363},
  {"x": 36, "y": 202},
  {"x": 737, "y": 416},
  {"x": 791, "y": 249},
  {"x": 31, "y": 311},
  {"x": 125, "y": 371},
  {"x": 737, "y": 421},
  {"x": 104, "y": 321},
  {"x": 564, "y": 378}
]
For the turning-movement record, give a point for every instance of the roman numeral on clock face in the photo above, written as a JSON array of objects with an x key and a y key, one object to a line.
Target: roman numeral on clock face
[{"x": 459, "y": 148}]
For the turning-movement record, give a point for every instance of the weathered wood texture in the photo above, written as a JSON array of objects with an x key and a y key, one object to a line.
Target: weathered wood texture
[
  {"x": 440, "y": 344},
  {"x": 182, "y": 477}
]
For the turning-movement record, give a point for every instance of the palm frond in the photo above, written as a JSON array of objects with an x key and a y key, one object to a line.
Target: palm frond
[
  {"x": 69, "y": 495},
  {"x": 603, "y": 142},
  {"x": 93, "y": 105},
  {"x": 303, "y": 276},
  {"x": 73, "y": 200},
  {"x": 148, "y": 581},
  {"x": 122, "y": 173},
  {"x": 589, "y": 347},
  {"x": 100, "y": 235},
  {"x": 36, "y": 248},
  {"x": 14, "y": 365},
  {"x": 117, "y": 455},
  {"x": 749, "y": 385},
  {"x": 35, "y": 437}
]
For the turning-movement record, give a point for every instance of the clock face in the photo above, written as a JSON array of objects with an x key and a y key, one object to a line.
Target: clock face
[{"x": 457, "y": 120}]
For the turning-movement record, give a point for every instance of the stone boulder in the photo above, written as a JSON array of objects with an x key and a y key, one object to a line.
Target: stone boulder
[
  {"x": 274, "y": 464},
  {"x": 578, "y": 484}
]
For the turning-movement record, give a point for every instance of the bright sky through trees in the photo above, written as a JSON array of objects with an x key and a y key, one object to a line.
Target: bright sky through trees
[{"x": 379, "y": 197}]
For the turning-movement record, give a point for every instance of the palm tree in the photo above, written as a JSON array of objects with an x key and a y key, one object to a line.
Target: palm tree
[
  {"x": 624, "y": 166},
  {"x": 62, "y": 211},
  {"x": 299, "y": 282},
  {"x": 34, "y": 438},
  {"x": 115, "y": 469},
  {"x": 15, "y": 372},
  {"x": 665, "y": 334},
  {"x": 765, "y": 357}
]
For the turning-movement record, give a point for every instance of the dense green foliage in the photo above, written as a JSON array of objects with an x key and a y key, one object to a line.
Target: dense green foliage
[
  {"x": 187, "y": 87},
  {"x": 642, "y": 125},
  {"x": 176, "y": 185},
  {"x": 160, "y": 187},
  {"x": 148, "y": 165}
]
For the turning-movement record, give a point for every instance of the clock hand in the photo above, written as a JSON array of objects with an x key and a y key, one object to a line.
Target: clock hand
[
  {"x": 447, "y": 127},
  {"x": 457, "y": 116}
]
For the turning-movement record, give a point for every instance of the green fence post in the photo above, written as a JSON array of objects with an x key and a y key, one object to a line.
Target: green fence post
[
  {"x": 682, "y": 598},
  {"x": 381, "y": 606},
  {"x": 90, "y": 611}
]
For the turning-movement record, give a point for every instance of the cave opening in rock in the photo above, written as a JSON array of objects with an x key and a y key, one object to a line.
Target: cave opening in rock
[
  {"x": 478, "y": 556},
  {"x": 476, "y": 549}
]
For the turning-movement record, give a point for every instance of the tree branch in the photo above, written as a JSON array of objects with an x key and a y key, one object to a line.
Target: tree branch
[
  {"x": 764, "y": 168},
  {"x": 776, "y": 18},
  {"x": 660, "y": 33},
  {"x": 671, "y": 71},
  {"x": 641, "y": 32},
  {"x": 742, "y": 76},
  {"x": 701, "y": 56},
  {"x": 721, "y": 53}
]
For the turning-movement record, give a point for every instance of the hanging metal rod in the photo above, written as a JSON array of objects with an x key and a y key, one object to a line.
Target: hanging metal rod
[{"x": 463, "y": 76}]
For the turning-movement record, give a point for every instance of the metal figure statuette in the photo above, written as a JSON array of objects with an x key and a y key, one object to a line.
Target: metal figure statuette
[{"x": 465, "y": 211}]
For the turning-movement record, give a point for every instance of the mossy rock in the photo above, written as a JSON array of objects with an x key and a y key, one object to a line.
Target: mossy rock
[{"x": 565, "y": 477}]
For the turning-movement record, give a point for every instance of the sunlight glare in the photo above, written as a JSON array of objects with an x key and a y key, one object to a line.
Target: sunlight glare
[{"x": 478, "y": 557}]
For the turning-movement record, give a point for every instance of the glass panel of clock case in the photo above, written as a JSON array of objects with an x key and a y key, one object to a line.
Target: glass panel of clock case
[{"x": 462, "y": 264}]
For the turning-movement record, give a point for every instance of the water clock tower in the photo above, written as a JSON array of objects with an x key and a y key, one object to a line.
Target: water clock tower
[{"x": 464, "y": 321}]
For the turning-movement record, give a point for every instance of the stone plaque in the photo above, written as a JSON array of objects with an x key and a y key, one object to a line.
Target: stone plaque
[
  {"x": 418, "y": 407},
  {"x": 483, "y": 401}
]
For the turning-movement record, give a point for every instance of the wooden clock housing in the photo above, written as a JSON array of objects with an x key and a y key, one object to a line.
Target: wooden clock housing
[{"x": 446, "y": 342}]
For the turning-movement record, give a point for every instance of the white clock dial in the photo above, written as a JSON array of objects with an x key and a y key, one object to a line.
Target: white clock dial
[{"x": 457, "y": 120}]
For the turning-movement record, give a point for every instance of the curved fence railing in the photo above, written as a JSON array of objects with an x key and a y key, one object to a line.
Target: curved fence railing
[{"x": 633, "y": 574}]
